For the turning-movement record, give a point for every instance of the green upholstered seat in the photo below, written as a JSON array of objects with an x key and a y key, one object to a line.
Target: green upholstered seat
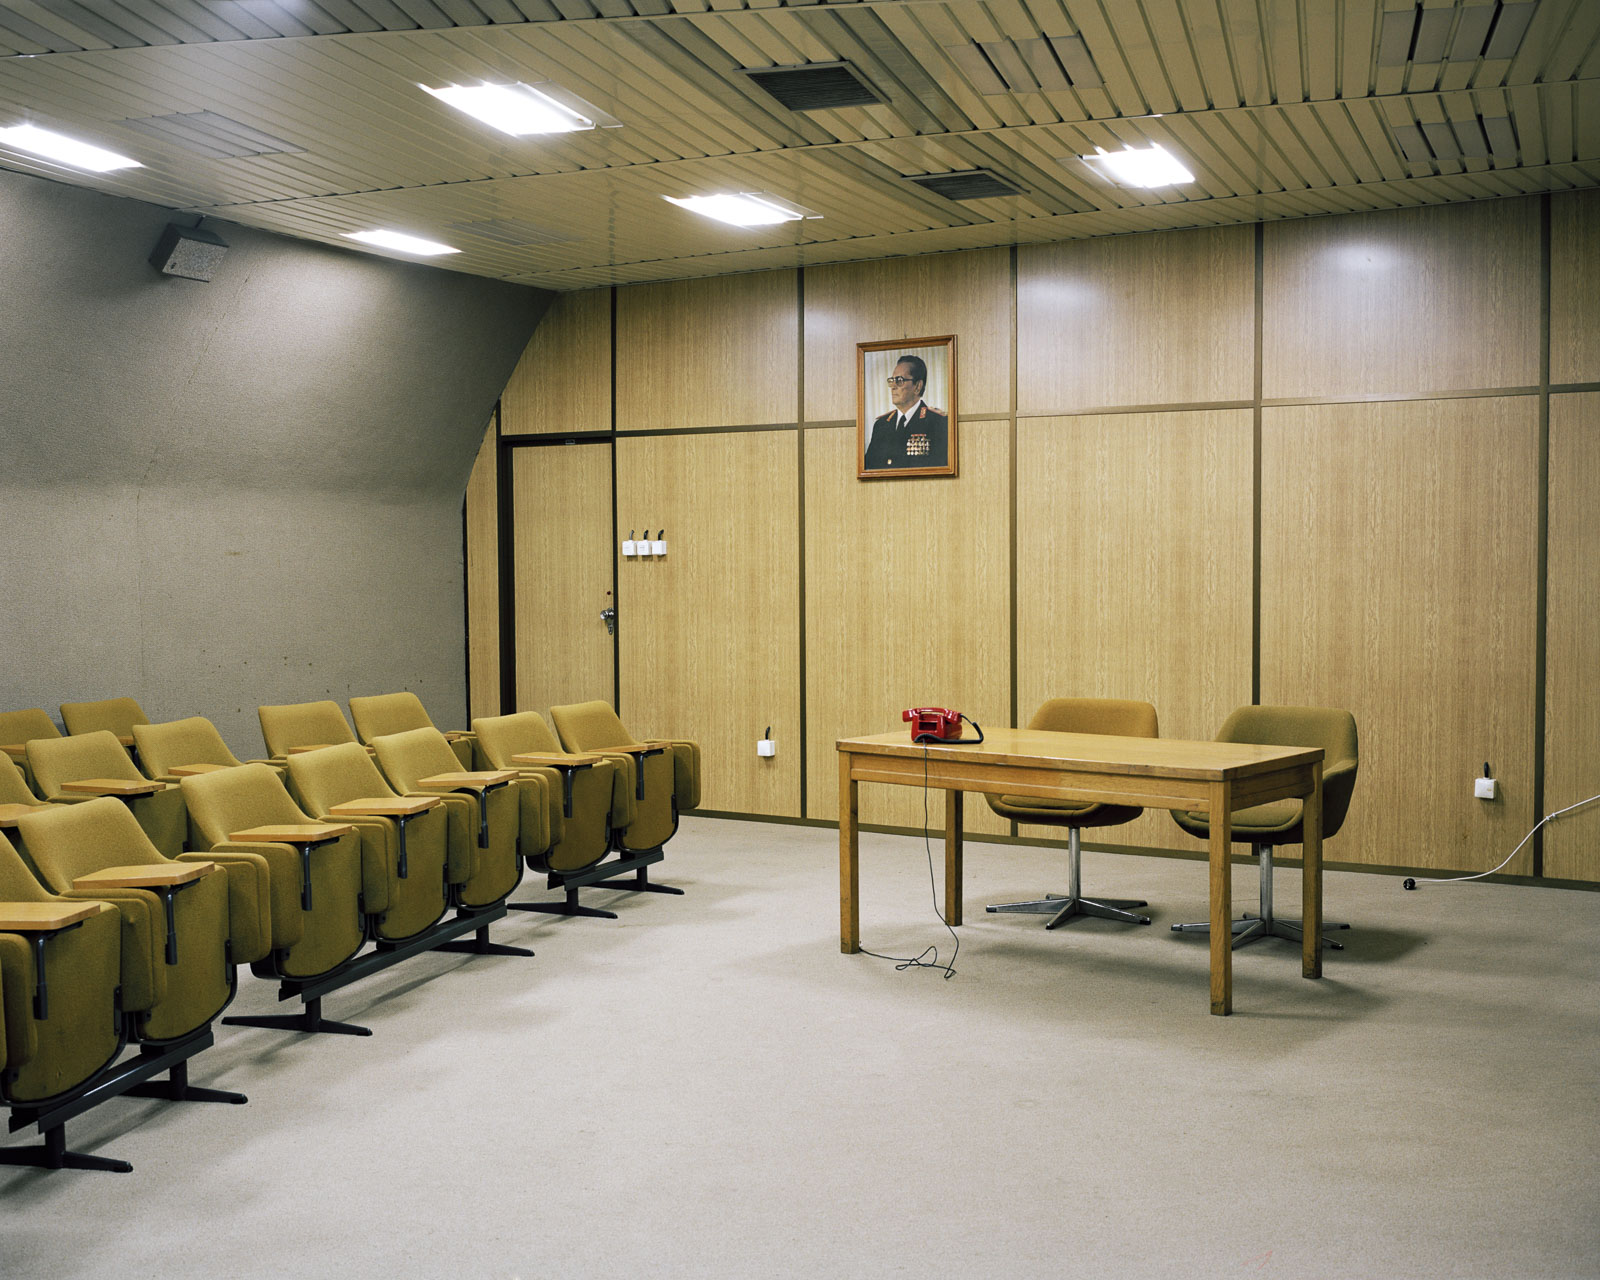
[
  {"x": 582, "y": 837},
  {"x": 303, "y": 724},
  {"x": 14, "y": 788},
  {"x": 167, "y": 1000},
  {"x": 1282, "y": 822},
  {"x": 399, "y": 906},
  {"x": 118, "y": 715},
  {"x": 80, "y": 1033},
  {"x": 98, "y": 754},
  {"x": 389, "y": 713},
  {"x": 1117, "y": 716},
  {"x": 648, "y": 770},
  {"x": 409, "y": 757},
  {"x": 304, "y": 942},
  {"x": 163, "y": 747},
  {"x": 18, "y": 728}
]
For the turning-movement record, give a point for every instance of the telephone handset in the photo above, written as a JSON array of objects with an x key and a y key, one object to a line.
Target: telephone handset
[{"x": 938, "y": 724}]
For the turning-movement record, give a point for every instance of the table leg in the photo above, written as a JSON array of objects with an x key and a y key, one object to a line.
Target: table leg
[
  {"x": 1311, "y": 880},
  {"x": 849, "y": 859},
  {"x": 1221, "y": 821},
  {"x": 954, "y": 808}
]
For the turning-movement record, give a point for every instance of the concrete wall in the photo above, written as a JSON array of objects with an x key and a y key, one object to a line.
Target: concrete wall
[{"x": 248, "y": 491}]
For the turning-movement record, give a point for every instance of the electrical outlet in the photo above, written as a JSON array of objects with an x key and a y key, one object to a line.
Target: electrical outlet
[{"x": 1483, "y": 789}]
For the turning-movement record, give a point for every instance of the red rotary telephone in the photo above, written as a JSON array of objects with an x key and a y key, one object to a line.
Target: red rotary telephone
[{"x": 933, "y": 722}]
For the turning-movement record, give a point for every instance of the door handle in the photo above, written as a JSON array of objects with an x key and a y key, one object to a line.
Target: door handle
[{"x": 609, "y": 617}]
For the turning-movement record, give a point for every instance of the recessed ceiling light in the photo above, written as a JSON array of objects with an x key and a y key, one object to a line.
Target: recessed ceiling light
[
  {"x": 57, "y": 146},
  {"x": 401, "y": 243},
  {"x": 517, "y": 109},
  {"x": 744, "y": 209},
  {"x": 1151, "y": 167}
]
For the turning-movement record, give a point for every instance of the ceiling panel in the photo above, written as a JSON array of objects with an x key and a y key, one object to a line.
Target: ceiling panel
[{"x": 1280, "y": 109}]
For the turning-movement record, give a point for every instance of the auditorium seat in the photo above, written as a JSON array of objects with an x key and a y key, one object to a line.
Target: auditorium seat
[
  {"x": 60, "y": 1029},
  {"x": 181, "y": 744},
  {"x": 298, "y": 725},
  {"x": 387, "y": 713},
  {"x": 316, "y": 880},
  {"x": 18, "y": 728},
  {"x": 99, "y": 755},
  {"x": 403, "y": 859}
]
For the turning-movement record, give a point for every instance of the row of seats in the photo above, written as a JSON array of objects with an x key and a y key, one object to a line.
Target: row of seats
[
  {"x": 1264, "y": 826},
  {"x": 316, "y": 866}
]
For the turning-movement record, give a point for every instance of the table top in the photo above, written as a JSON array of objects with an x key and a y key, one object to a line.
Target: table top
[
  {"x": 194, "y": 770},
  {"x": 1097, "y": 753},
  {"x": 113, "y": 787},
  {"x": 557, "y": 759},
  {"x": 481, "y": 778},
  {"x": 293, "y": 833},
  {"x": 384, "y": 806},
  {"x": 14, "y": 748},
  {"x": 153, "y": 875},
  {"x": 43, "y": 917},
  {"x": 9, "y": 813}
]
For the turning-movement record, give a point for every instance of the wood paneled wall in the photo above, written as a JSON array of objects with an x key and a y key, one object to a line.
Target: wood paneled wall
[
  {"x": 1299, "y": 462},
  {"x": 711, "y": 639},
  {"x": 554, "y": 389}
]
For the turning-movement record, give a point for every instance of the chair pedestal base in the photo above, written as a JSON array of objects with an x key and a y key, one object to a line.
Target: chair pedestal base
[
  {"x": 308, "y": 1020},
  {"x": 479, "y": 944},
  {"x": 1062, "y": 907},
  {"x": 1266, "y": 925}
]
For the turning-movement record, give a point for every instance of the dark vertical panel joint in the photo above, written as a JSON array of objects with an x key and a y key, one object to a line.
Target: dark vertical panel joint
[
  {"x": 616, "y": 583},
  {"x": 1011, "y": 481},
  {"x": 1255, "y": 464},
  {"x": 1541, "y": 585},
  {"x": 506, "y": 572},
  {"x": 800, "y": 540}
]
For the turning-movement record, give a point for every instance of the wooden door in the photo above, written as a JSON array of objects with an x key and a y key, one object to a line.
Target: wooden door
[{"x": 563, "y": 574}]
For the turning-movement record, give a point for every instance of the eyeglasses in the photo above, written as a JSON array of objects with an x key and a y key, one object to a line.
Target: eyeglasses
[{"x": 898, "y": 381}]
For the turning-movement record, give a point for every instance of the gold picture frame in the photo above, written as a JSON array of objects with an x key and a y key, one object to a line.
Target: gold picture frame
[{"x": 906, "y": 408}]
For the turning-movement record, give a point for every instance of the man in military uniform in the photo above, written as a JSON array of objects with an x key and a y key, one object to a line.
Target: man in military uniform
[{"x": 911, "y": 434}]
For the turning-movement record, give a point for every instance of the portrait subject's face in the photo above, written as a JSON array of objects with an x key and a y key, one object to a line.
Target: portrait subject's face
[{"x": 902, "y": 390}]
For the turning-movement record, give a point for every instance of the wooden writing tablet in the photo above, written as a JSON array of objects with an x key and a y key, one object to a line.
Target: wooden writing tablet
[
  {"x": 294, "y": 833},
  {"x": 195, "y": 770},
  {"x": 113, "y": 787},
  {"x": 555, "y": 759},
  {"x": 43, "y": 917},
  {"x": 155, "y": 875},
  {"x": 385, "y": 807},
  {"x": 9, "y": 813},
  {"x": 483, "y": 778}
]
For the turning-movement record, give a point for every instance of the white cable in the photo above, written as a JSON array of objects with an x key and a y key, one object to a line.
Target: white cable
[{"x": 1411, "y": 882}]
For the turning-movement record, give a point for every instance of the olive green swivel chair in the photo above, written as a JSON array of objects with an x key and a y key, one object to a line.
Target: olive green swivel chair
[
  {"x": 193, "y": 745},
  {"x": 651, "y": 770},
  {"x": 60, "y": 1027},
  {"x": 18, "y": 728},
  {"x": 388, "y": 713},
  {"x": 177, "y": 963},
  {"x": 315, "y": 874},
  {"x": 99, "y": 755},
  {"x": 1266, "y": 826},
  {"x": 582, "y": 789},
  {"x": 296, "y": 726},
  {"x": 1116, "y": 716},
  {"x": 406, "y": 868},
  {"x": 485, "y": 816}
]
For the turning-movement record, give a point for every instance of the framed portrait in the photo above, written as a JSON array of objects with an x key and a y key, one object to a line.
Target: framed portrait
[{"x": 906, "y": 408}]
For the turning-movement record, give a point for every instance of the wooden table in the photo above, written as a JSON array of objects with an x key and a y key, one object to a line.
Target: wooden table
[
  {"x": 196, "y": 770},
  {"x": 1215, "y": 778},
  {"x": 161, "y": 878},
  {"x": 9, "y": 813},
  {"x": 122, "y": 788}
]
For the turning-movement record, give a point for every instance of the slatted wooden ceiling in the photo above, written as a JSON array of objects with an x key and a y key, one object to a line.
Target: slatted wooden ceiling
[{"x": 305, "y": 117}]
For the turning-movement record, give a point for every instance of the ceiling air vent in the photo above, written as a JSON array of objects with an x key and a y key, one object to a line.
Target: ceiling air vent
[
  {"x": 818, "y": 86},
  {"x": 1463, "y": 33},
  {"x": 211, "y": 135},
  {"x": 971, "y": 184}
]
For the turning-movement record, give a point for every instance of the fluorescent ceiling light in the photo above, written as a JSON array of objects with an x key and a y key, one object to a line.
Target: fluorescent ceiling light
[
  {"x": 745, "y": 209},
  {"x": 401, "y": 243},
  {"x": 69, "y": 151},
  {"x": 517, "y": 109},
  {"x": 1151, "y": 167}
]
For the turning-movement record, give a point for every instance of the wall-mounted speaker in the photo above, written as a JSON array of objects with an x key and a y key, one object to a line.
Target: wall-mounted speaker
[{"x": 189, "y": 252}]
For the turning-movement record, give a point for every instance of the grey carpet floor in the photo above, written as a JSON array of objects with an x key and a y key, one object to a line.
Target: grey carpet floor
[{"x": 706, "y": 1087}]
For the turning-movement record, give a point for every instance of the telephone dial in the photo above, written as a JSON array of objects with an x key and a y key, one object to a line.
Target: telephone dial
[{"x": 938, "y": 724}]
